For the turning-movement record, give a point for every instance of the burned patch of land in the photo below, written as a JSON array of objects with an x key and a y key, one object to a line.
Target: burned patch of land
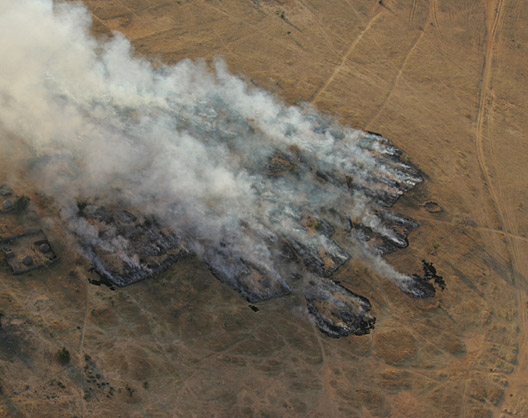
[{"x": 126, "y": 246}]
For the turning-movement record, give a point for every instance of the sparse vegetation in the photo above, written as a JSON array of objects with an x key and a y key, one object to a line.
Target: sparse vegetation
[
  {"x": 130, "y": 390},
  {"x": 63, "y": 356},
  {"x": 462, "y": 223},
  {"x": 21, "y": 203}
]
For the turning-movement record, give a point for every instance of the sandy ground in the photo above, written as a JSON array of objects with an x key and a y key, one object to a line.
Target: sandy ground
[{"x": 446, "y": 81}]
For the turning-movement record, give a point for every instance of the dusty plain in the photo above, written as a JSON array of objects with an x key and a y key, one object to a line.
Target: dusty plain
[{"x": 446, "y": 81}]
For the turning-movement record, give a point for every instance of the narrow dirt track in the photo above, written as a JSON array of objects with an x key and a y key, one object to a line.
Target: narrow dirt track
[
  {"x": 412, "y": 14},
  {"x": 344, "y": 59},
  {"x": 519, "y": 268},
  {"x": 399, "y": 74},
  {"x": 434, "y": 7}
]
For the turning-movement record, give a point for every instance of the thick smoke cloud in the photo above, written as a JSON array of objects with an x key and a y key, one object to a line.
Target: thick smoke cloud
[{"x": 195, "y": 147}]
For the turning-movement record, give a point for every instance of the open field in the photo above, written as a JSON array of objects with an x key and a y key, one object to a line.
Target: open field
[{"x": 445, "y": 80}]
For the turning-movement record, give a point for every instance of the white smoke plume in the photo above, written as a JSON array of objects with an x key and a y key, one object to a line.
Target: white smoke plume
[{"x": 192, "y": 145}]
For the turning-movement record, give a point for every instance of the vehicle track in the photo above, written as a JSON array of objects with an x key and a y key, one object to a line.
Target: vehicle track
[
  {"x": 394, "y": 83},
  {"x": 358, "y": 16},
  {"x": 344, "y": 58},
  {"x": 398, "y": 76},
  {"x": 495, "y": 12},
  {"x": 412, "y": 14},
  {"x": 475, "y": 228},
  {"x": 482, "y": 114},
  {"x": 81, "y": 348},
  {"x": 313, "y": 18},
  {"x": 325, "y": 404},
  {"x": 434, "y": 18}
]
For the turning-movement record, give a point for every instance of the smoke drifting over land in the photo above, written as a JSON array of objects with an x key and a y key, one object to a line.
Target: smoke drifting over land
[{"x": 228, "y": 166}]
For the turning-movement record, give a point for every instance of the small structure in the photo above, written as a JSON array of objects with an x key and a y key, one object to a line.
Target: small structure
[
  {"x": 21, "y": 249},
  {"x": 28, "y": 251},
  {"x": 7, "y": 197}
]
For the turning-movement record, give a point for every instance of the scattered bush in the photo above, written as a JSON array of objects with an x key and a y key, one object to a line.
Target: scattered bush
[
  {"x": 21, "y": 203},
  {"x": 130, "y": 390},
  {"x": 63, "y": 356}
]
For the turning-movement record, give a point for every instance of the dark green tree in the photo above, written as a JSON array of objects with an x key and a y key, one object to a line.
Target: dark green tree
[{"x": 63, "y": 356}]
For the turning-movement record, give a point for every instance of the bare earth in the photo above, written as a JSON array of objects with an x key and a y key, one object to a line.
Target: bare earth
[{"x": 446, "y": 81}]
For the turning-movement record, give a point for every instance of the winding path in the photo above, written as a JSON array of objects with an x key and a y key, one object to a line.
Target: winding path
[
  {"x": 518, "y": 267},
  {"x": 347, "y": 54}
]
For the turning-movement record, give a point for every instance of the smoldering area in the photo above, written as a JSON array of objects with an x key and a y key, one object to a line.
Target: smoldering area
[{"x": 268, "y": 195}]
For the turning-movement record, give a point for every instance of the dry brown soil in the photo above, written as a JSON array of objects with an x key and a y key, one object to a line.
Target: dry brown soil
[{"x": 446, "y": 80}]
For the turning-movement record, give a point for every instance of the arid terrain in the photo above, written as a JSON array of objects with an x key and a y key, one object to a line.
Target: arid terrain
[{"x": 446, "y": 81}]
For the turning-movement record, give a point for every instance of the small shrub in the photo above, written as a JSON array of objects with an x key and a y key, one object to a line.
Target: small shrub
[
  {"x": 436, "y": 245},
  {"x": 21, "y": 203},
  {"x": 130, "y": 390},
  {"x": 63, "y": 356}
]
